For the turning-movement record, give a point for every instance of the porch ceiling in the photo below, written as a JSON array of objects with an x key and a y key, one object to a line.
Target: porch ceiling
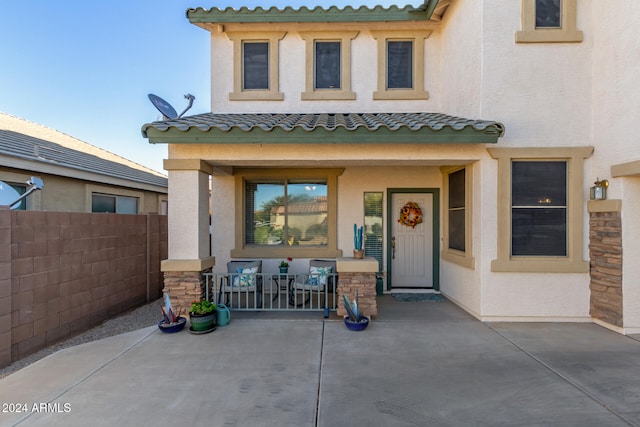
[{"x": 325, "y": 128}]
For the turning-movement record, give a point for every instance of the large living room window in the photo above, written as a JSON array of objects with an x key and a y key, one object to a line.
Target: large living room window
[
  {"x": 549, "y": 21},
  {"x": 255, "y": 66},
  {"x": 540, "y": 209},
  {"x": 286, "y": 213}
]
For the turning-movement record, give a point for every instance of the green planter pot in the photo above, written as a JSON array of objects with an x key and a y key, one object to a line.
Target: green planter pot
[{"x": 202, "y": 322}]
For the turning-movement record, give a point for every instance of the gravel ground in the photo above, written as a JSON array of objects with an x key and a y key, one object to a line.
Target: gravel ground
[{"x": 142, "y": 317}]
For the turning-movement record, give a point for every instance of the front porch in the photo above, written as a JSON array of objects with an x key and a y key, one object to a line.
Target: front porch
[{"x": 274, "y": 291}]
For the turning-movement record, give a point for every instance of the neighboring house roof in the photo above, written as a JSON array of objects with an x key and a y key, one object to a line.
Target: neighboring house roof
[
  {"x": 346, "y": 128},
  {"x": 57, "y": 153},
  {"x": 429, "y": 10}
]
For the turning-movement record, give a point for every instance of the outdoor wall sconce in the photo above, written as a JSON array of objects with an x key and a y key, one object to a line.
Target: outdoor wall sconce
[{"x": 599, "y": 190}]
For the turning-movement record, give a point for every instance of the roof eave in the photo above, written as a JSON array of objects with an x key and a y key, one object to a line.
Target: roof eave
[
  {"x": 338, "y": 136},
  {"x": 318, "y": 14}
]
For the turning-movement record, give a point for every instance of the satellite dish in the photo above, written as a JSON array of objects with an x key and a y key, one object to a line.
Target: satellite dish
[
  {"x": 163, "y": 106},
  {"x": 168, "y": 112},
  {"x": 8, "y": 195}
]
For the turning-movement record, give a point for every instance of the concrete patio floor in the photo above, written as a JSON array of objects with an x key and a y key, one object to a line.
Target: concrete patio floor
[{"x": 417, "y": 364}]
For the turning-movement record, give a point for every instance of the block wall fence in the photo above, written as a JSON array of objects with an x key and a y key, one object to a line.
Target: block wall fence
[{"x": 62, "y": 273}]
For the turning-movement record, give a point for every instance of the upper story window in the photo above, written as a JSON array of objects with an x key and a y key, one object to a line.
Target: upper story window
[
  {"x": 255, "y": 66},
  {"x": 328, "y": 65},
  {"x": 400, "y": 64},
  {"x": 548, "y": 14},
  {"x": 548, "y": 21}
]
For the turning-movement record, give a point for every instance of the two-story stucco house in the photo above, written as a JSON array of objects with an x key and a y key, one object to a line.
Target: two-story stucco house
[{"x": 492, "y": 117}]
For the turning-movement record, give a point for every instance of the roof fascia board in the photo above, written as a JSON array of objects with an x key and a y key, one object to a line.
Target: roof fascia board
[
  {"x": 318, "y": 14},
  {"x": 425, "y": 135},
  {"x": 42, "y": 168}
]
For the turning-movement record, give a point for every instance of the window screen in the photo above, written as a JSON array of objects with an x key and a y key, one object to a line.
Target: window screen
[
  {"x": 539, "y": 208},
  {"x": 255, "y": 65},
  {"x": 327, "y": 65},
  {"x": 399, "y": 64},
  {"x": 548, "y": 13}
]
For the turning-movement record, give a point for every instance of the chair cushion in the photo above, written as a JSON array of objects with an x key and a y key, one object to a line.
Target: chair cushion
[
  {"x": 245, "y": 277},
  {"x": 319, "y": 275}
]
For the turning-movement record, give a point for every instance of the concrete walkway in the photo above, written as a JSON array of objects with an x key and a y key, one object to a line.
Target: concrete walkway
[{"x": 418, "y": 364}]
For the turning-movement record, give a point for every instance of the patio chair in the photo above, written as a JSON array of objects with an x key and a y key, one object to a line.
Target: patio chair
[
  {"x": 243, "y": 277},
  {"x": 321, "y": 278}
]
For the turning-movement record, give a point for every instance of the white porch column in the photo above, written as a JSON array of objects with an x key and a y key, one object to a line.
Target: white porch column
[{"x": 188, "y": 229}]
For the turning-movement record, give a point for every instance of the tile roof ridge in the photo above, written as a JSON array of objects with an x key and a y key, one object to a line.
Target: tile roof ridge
[{"x": 8, "y": 122}]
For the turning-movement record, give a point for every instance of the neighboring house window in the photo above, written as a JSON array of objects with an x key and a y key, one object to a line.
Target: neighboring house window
[
  {"x": 457, "y": 222},
  {"x": 540, "y": 209},
  {"x": 328, "y": 65},
  {"x": 255, "y": 66},
  {"x": 400, "y": 64},
  {"x": 21, "y": 189},
  {"x": 114, "y": 204},
  {"x": 549, "y": 21},
  {"x": 286, "y": 213}
]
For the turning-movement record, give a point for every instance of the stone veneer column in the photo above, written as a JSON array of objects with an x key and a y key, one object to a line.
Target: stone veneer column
[
  {"x": 357, "y": 274},
  {"x": 605, "y": 252},
  {"x": 183, "y": 288}
]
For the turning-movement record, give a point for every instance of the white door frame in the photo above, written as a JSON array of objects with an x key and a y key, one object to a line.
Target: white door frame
[{"x": 436, "y": 231}]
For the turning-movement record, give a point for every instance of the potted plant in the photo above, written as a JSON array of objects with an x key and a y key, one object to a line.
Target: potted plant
[
  {"x": 354, "y": 320},
  {"x": 171, "y": 322},
  {"x": 202, "y": 316},
  {"x": 358, "y": 233},
  {"x": 284, "y": 265}
]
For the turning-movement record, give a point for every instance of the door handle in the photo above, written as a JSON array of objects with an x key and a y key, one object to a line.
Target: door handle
[{"x": 393, "y": 247}]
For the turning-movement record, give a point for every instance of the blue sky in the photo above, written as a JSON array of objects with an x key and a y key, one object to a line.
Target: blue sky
[{"x": 85, "y": 67}]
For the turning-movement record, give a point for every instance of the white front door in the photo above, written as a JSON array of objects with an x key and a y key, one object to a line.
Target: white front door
[{"x": 412, "y": 247}]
